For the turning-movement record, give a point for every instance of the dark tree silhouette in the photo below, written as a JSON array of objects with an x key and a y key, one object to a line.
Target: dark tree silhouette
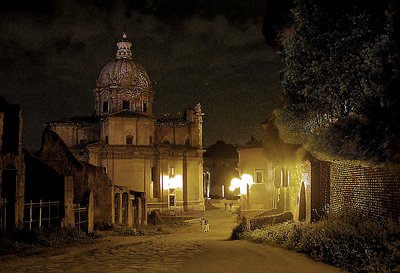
[{"x": 340, "y": 79}]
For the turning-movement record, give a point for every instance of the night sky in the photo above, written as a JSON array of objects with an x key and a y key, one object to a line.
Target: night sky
[{"x": 212, "y": 52}]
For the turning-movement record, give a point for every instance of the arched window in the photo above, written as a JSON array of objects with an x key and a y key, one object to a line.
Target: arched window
[
  {"x": 129, "y": 139},
  {"x": 145, "y": 107},
  {"x": 105, "y": 107}
]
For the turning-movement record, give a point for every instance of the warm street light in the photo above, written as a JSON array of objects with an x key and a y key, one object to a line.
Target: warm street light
[{"x": 243, "y": 184}]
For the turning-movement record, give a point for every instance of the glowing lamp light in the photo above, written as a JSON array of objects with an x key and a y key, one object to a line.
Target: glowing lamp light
[
  {"x": 175, "y": 182},
  {"x": 242, "y": 183},
  {"x": 235, "y": 183},
  {"x": 247, "y": 179}
]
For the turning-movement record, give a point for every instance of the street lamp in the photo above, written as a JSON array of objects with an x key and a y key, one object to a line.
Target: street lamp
[{"x": 243, "y": 184}]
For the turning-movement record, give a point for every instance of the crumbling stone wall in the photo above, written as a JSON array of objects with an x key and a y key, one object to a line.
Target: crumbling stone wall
[
  {"x": 365, "y": 191},
  {"x": 86, "y": 177},
  {"x": 102, "y": 192}
]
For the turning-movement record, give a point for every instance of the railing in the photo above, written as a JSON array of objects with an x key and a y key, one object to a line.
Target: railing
[
  {"x": 81, "y": 218},
  {"x": 44, "y": 214},
  {"x": 38, "y": 215}
]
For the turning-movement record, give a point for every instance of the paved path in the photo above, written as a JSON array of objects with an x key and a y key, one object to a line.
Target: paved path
[{"x": 189, "y": 251}]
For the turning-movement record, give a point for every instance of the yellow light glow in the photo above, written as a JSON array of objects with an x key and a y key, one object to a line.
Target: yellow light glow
[
  {"x": 247, "y": 179},
  {"x": 235, "y": 183},
  {"x": 175, "y": 182},
  {"x": 241, "y": 183}
]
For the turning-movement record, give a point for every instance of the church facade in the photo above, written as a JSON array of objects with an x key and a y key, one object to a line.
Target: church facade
[{"x": 156, "y": 162}]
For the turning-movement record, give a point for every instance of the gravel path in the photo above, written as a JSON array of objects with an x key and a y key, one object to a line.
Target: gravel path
[{"x": 188, "y": 250}]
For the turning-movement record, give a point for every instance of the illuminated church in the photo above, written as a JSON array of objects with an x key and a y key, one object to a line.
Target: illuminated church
[{"x": 156, "y": 162}]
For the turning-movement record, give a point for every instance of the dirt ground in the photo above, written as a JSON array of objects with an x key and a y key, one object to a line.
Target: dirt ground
[{"x": 186, "y": 250}]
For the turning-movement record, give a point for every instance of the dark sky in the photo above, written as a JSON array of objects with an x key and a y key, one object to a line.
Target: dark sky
[{"x": 212, "y": 52}]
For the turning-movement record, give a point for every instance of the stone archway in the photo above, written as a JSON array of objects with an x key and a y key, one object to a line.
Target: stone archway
[{"x": 8, "y": 196}]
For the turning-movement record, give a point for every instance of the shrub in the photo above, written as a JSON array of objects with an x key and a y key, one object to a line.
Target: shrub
[
  {"x": 260, "y": 222},
  {"x": 357, "y": 246},
  {"x": 240, "y": 231}
]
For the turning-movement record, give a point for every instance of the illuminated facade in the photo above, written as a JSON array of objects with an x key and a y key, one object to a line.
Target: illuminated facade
[
  {"x": 260, "y": 192},
  {"x": 272, "y": 185},
  {"x": 159, "y": 162}
]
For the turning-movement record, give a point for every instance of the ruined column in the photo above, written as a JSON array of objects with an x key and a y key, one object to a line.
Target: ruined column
[
  {"x": 69, "y": 217},
  {"x": 144, "y": 217},
  {"x": 20, "y": 199},
  {"x": 90, "y": 213},
  {"x": 139, "y": 209},
  {"x": 130, "y": 210}
]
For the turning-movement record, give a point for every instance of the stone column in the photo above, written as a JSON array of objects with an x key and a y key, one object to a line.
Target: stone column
[
  {"x": 90, "y": 213},
  {"x": 139, "y": 209},
  {"x": 69, "y": 217},
  {"x": 130, "y": 211},
  {"x": 185, "y": 181},
  {"x": 144, "y": 217},
  {"x": 20, "y": 198}
]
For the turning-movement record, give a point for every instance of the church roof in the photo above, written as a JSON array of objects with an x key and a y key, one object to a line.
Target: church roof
[
  {"x": 128, "y": 114},
  {"x": 172, "y": 120},
  {"x": 85, "y": 120}
]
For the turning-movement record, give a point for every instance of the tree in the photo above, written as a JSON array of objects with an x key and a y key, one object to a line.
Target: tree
[{"x": 340, "y": 79}]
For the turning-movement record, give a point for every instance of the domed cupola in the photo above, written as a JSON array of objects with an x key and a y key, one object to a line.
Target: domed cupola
[{"x": 123, "y": 85}]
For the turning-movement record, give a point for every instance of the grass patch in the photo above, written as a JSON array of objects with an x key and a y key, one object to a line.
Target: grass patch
[
  {"x": 356, "y": 246},
  {"x": 149, "y": 230},
  {"x": 24, "y": 242}
]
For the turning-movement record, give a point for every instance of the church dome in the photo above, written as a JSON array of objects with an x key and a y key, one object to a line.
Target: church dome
[
  {"x": 123, "y": 85},
  {"x": 123, "y": 72}
]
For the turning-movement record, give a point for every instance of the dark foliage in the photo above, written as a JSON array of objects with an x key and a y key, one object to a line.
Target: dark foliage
[
  {"x": 341, "y": 78},
  {"x": 261, "y": 222},
  {"x": 240, "y": 230},
  {"x": 221, "y": 150},
  {"x": 352, "y": 244}
]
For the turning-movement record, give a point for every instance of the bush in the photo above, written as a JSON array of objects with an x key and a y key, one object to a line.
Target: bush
[
  {"x": 240, "y": 231},
  {"x": 148, "y": 230},
  {"x": 260, "y": 222},
  {"x": 357, "y": 246}
]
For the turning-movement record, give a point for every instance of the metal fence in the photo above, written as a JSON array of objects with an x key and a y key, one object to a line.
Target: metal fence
[
  {"x": 81, "y": 218},
  {"x": 42, "y": 214}
]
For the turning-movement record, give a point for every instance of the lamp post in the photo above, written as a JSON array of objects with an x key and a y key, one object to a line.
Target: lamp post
[{"x": 247, "y": 180}]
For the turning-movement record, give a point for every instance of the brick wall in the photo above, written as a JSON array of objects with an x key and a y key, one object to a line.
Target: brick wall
[
  {"x": 365, "y": 191},
  {"x": 320, "y": 188}
]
